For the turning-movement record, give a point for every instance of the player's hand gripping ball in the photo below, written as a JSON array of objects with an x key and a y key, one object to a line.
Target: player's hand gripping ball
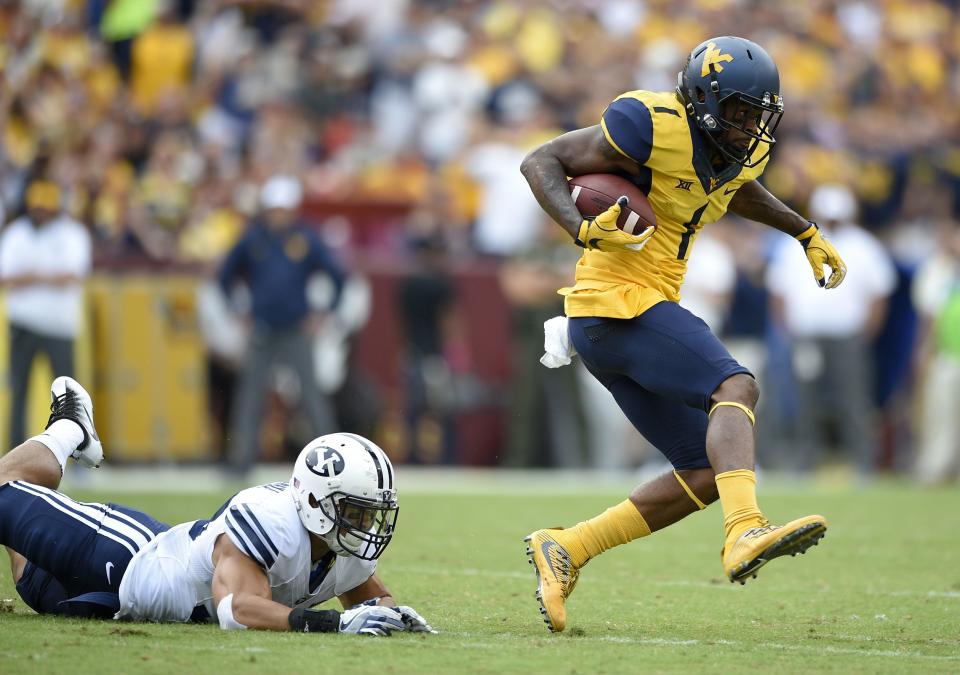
[{"x": 616, "y": 213}]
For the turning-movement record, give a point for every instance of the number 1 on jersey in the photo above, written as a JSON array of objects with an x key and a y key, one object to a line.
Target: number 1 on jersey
[{"x": 691, "y": 226}]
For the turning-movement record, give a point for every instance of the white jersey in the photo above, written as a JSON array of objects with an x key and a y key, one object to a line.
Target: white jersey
[
  {"x": 62, "y": 246},
  {"x": 172, "y": 575}
]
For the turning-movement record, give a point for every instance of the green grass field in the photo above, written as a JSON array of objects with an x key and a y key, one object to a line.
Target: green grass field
[{"x": 880, "y": 594}]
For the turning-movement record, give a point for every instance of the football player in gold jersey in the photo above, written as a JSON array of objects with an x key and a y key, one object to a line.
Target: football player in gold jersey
[{"x": 696, "y": 153}]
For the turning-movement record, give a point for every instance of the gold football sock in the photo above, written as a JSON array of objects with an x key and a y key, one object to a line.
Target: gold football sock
[
  {"x": 617, "y": 525},
  {"x": 738, "y": 498}
]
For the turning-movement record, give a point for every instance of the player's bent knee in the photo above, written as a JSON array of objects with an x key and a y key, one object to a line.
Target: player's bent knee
[{"x": 741, "y": 388}]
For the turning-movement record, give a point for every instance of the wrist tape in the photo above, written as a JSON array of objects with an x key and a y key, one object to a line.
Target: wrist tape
[
  {"x": 314, "y": 621},
  {"x": 808, "y": 234},
  {"x": 225, "y": 615}
]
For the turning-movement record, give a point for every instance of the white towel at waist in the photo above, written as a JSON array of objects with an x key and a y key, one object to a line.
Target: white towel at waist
[{"x": 556, "y": 343}]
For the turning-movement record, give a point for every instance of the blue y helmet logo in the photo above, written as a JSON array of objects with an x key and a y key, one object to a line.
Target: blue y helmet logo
[{"x": 329, "y": 465}]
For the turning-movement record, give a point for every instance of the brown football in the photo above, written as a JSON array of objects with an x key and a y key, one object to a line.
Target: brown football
[{"x": 594, "y": 193}]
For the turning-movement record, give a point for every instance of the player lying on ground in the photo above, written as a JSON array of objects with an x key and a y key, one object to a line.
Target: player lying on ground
[
  {"x": 262, "y": 561},
  {"x": 695, "y": 152}
]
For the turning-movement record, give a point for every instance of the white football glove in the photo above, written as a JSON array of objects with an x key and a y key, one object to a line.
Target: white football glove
[
  {"x": 371, "y": 620},
  {"x": 413, "y": 621}
]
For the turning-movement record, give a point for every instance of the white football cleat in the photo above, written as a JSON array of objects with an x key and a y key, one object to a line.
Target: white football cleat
[{"x": 70, "y": 401}]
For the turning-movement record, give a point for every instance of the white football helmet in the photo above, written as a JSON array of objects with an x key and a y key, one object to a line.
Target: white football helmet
[{"x": 344, "y": 491}]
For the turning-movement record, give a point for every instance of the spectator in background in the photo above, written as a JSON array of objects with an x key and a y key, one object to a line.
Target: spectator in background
[
  {"x": 425, "y": 300},
  {"x": 509, "y": 220},
  {"x": 44, "y": 258},
  {"x": 357, "y": 402},
  {"x": 121, "y": 21},
  {"x": 936, "y": 295},
  {"x": 545, "y": 419},
  {"x": 225, "y": 338},
  {"x": 831, "y": 333},
  {"x": 432, "y": 330},
  {"x": 709, "y": 284},
  {"x": 162, "y": 60},
  {"x": 276, "y": 259},
  {"x": 748, "y": 335}
]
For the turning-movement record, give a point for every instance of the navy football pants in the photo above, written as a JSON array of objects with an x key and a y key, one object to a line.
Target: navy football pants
[
  {"x": 662, "y": 367},
  {"x": 77, "y": 552}
]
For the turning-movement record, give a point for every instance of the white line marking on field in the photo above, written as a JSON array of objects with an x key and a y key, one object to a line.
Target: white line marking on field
[
  {"x": 877, "y": 640},
  {"x": 667, "y": 642},
  {"x": 955, "y": 595},
  {"x": 886, "y": 653}
]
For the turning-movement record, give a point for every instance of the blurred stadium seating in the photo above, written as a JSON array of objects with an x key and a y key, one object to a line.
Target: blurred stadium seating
[{"x": 405, "y": 121}]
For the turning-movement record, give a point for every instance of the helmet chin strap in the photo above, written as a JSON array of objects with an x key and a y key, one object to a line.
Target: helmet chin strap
[{"x": 333, "y": 543}]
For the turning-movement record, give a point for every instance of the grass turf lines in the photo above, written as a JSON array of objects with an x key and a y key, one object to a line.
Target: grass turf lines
[{"x": 880, "y": 594}]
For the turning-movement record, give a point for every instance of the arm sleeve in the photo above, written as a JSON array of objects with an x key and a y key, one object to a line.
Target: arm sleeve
[
  {"x": 249, "y": 532},
  {"x": 627, "y": 125}
]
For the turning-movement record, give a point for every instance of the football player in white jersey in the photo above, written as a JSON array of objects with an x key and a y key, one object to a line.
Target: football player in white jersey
[{"x": 262, "y": 561}]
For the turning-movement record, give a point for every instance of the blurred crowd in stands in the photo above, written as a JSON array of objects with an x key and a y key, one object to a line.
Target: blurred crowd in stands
[{"x": 160, "y": 121}]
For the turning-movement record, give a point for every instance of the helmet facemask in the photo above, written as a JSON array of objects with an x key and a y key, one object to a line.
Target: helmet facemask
[
  {"x": 362, "y": 527},
  {"x": 746, "y": 119}
]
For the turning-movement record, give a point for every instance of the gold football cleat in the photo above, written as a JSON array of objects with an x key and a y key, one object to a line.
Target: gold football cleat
[
  {"x": 556, "y": 577},
  {"x": 759, "y": 545}
]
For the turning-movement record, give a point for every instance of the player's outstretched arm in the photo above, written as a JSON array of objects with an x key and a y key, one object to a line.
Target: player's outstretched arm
[
  {"x": 241, "y": 591},
  {"x": 755, "y": 202},
  {"x": 573, "y": 154},
  {"x": 242, "y": 594}
]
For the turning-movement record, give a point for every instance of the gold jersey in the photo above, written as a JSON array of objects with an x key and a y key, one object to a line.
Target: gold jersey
[{"x": 654, "y": 130}]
